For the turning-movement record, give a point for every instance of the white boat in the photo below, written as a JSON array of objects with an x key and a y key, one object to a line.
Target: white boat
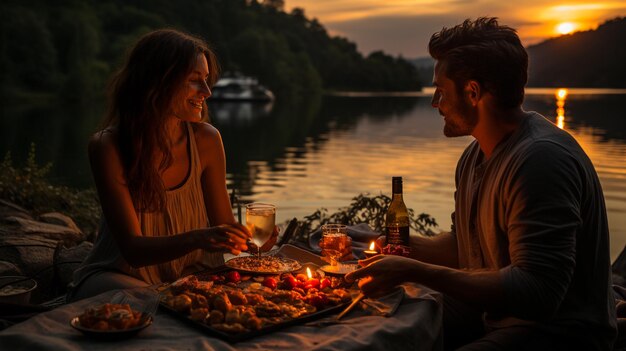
[{"x": 240, "y": 89}]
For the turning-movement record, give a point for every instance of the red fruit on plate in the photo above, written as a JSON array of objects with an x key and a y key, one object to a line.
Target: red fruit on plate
[
  {"x": 324, "y": 283},
  {"x": 301, "y": 277},
  {"x": 233, "y": 277},
  {"x": 270, "y": 283},
  {"x": 289, "y": 282}
]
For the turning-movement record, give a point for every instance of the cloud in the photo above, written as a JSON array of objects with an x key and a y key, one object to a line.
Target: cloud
[
  {"x": 406, "y": 35},
  {"x": 405, "y": 26}
]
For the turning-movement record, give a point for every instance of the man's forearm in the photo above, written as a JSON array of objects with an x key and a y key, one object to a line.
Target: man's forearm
[
  {"x": 479, "y": 288},
  {"x": 439, "y": 250}
]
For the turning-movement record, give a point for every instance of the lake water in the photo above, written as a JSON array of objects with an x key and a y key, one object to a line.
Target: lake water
[{"x": 322, "y": 153}]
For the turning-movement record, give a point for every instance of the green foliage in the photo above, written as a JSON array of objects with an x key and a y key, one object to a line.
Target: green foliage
[
  {"x": 365, "y": 209},
  {"x": 28, "y": 187},
  {"x": 70, "y": 47}
]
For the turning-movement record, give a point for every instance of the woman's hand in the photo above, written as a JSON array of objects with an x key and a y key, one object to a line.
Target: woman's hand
[
  {"x": 382, "y": 273},
  {"x": 226, "y": 238},
  {"x": 268, "y": 244}
]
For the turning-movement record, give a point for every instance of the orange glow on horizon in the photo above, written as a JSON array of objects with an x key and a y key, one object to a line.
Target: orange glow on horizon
[
  {"x": 565, "y": 28},
  {"x": 363, "y": 21},
  {"x": 561, "y": 94}
]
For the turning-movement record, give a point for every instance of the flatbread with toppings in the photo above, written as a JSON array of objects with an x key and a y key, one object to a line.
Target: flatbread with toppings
[{"x": 264, "y": 264}]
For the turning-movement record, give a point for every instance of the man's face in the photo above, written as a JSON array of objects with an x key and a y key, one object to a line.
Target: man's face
[{"x": 459, "y": 116}]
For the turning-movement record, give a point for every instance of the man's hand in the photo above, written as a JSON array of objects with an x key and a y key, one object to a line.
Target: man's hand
[{"x": 381, "y": 274}]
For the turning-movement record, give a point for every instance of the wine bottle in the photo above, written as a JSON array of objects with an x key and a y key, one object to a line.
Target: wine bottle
[{"x": 397, "y": 222}]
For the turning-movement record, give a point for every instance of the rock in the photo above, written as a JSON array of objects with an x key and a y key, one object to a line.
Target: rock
[
  {"x": 28, "y": 227},
  {"x": 9, "y": 209},
  {"x": 34, "y": 256},
  {"x": 40, "y": 247},
  {"x": 60, "y": 219},
  {"x": 69, "y": 259},
  {"x": 8, "y": 268}
]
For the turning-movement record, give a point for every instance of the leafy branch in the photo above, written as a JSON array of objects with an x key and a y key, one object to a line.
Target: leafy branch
[{"x": 364, "y": 209}]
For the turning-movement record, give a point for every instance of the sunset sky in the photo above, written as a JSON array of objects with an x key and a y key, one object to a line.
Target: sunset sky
[{"x": 404, "y": 26}]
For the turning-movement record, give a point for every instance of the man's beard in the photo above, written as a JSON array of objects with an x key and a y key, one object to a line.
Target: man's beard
[{"x": 462, "y": 124}]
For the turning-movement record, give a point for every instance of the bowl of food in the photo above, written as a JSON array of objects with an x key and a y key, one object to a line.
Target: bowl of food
[
  {"x": 111, "y": 321},
  {"x": 16, "y": 289}
]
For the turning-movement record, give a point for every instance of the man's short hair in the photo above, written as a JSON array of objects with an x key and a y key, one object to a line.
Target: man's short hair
[{"x": 484, "y": 51}]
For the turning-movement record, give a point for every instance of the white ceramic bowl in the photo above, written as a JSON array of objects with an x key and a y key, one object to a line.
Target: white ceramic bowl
[{"x": 19, "y": 292}]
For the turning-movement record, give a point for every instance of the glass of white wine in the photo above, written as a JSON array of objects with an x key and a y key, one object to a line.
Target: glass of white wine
[{"x": 260, "y": 220}]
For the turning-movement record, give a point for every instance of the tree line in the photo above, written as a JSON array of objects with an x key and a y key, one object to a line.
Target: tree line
[
  {"x": 593, "y": 58},
  {"x": 69, "y": 48}
]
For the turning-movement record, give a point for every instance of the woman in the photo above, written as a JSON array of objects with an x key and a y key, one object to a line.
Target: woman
[{"x": 159, "y": 171}]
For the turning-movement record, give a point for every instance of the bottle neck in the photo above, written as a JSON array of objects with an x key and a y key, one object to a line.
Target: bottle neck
[{"x": 397, "y": 189}]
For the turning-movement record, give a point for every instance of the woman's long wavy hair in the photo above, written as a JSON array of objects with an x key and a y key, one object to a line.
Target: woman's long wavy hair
[{"x": 141, "y": 95}]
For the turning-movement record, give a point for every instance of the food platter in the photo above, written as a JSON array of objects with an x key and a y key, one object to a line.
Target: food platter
[
  {"x": 264, "y": 264},
  {"x": 235, "y": 308}
]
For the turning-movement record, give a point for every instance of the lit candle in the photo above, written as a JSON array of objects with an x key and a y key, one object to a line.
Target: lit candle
[
  {"x": 311, "y": 282},
  {"x": 372, "y": 250}
]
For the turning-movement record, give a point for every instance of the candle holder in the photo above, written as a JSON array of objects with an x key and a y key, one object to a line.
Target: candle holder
[{"x": 370, "y": 253}]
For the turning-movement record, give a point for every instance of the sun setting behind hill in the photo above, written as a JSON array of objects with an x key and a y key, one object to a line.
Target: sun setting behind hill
[
  {"x": 565, "y": 27},
  {"x": 402, "y": 27}
]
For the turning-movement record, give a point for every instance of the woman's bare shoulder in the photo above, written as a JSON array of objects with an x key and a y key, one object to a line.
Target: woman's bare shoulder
[
  {"x": 206, "y": 135},
  {"x": 103, "y": 143},
  {"x": 204, "y": 129},
  {"x": 209, "y": 145}
]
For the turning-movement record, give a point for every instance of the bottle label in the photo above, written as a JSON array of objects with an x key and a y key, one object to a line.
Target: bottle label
[
  {"x": 397, "y": 241},
  {"x": 397, "y": 235}
]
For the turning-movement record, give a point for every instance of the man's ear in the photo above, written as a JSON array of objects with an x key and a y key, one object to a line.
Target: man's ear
[{"x": 473, "y": 91}]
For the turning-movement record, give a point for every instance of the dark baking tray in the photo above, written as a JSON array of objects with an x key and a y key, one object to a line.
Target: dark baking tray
[{"x": 233, "y": 338}]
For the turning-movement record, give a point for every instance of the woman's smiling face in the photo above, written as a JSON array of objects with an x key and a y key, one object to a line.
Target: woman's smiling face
[{"x": 195, "y": 90}]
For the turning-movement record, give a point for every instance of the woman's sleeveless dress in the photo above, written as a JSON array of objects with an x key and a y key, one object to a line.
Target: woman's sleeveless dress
[{"x": 185, "y": 210}]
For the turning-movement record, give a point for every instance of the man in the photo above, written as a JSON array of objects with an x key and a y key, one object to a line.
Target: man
[{"x": 527, "y": 264}]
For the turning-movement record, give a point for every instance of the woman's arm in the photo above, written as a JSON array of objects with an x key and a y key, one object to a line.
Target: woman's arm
[{"x": 119, "y": 212}]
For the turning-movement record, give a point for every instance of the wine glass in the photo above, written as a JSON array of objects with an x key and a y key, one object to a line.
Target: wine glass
[
  {"x": 260, "y": 220},
  {"x": 335, "y": 241}
]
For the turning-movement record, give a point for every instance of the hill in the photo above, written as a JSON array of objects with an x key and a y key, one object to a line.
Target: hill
[
  {"x": 70, "y": 47},
  {"x": 593, "y": 58}
]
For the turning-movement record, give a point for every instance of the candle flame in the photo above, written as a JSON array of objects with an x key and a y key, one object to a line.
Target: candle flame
[
  {"x": 308, "y": 273},
  {"x": 372, "y": 246}
]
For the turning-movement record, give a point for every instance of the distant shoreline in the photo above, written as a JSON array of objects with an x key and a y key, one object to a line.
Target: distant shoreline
[{"x": 428, "y": 91}]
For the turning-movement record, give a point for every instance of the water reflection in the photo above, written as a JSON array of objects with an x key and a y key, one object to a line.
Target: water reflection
[
  {"x": 225, "y": 112},
  {"x": 561, "y": 95},
  {"x": 321, "y": 152}
]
